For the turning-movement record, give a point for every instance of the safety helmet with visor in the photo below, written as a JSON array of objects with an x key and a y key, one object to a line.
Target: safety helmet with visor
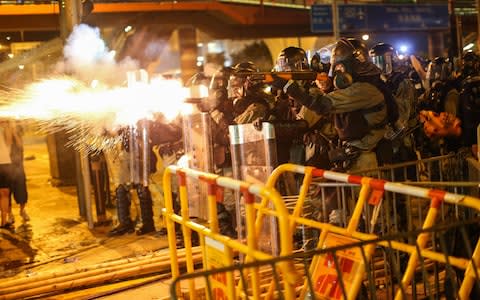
[
  {"x": 470, "y": 64},
  {"x": 344, "y": 54},
  {"x": 291, "y": 59},
  {"x": 320, "y": 61},
  {"x": 383, "y": 55},
  {"x": 239, "y": 83},
  {"x": 439, "y": 69}
]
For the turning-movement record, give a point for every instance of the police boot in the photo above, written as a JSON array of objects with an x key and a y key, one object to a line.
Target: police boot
[
  {"x": 122, "y": 229},
  {"x": 123, "y": 211},
  {"x": 146, "y": 210}
]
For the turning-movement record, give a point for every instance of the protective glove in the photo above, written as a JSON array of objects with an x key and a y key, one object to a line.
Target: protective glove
[
  {"x": 278, "y": 82},
  {"x": 257, "y": 124},
  {"x": 293, "y": 90}
]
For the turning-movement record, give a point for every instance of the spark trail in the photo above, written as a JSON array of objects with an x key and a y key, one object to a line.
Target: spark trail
[{"x": 92, "y": 115}]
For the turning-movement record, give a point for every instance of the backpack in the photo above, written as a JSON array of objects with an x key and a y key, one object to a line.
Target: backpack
[
  {"x": 391, "y": 104},
  {"x": 392, "y": 107}
]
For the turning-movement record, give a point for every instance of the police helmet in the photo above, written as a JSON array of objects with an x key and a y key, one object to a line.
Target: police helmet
[
  {"x": 292, "y": 59},
  {"x": 471, "y": 64},
  {"x": 240, "y": 83},
  {"x": 245, "y": 67},
  {"x": 439, "y": 69},
  {"x": 382, "y": 55},
  {"x": 347, "y": 48}
]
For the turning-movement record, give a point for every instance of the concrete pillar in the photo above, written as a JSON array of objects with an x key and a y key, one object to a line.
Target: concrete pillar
[
  {"x": 187, "y": 38},
  {"x": 478, "y": 26},
  {"x": 436, "y": 45},
  {"x": 70, "y": 15},
  {"x": 453, "y": 49},
  {"x": 67, "y": 165}
]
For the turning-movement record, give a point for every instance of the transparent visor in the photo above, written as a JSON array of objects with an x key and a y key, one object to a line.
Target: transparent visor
[
  {"x": 385, "y": 63},
  {"x": 326, "y": 53},
  {"x": 437, "y": 72},
  {"x": 284, "y": 65}
]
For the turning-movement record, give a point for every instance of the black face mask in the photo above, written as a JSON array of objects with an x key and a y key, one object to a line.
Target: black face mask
[{"x": 342, "y": 75}]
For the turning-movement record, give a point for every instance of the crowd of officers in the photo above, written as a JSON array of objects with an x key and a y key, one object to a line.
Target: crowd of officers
[
  {"x": 361, "y": 108},
  {"x": 371, "y": 107}
]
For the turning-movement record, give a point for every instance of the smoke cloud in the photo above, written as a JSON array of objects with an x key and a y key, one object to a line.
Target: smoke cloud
[{"x": 87, "y": 58}]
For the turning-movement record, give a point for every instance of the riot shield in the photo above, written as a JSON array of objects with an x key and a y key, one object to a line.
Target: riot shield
[
  {"x": 254, "y": 156},
  {"x": 198, "y": 145}
]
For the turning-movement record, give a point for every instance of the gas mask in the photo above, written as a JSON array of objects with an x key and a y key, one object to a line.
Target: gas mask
[
  {"x": 236, "y": 88},
  {"x": 342, "y": 74}
]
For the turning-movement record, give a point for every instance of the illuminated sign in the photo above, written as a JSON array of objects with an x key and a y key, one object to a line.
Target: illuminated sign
[{"x": 387, "y": 17}]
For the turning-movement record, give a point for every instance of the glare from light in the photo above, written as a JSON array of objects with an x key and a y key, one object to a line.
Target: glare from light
[
  {"x": 10, "y": 55},
  {"x": 128, "y": 28},
  {"x": 94, "y": 83},
  {"x": 199, "y": 91},
  {"x": 8, "y": 38},
  {"x": 365, "y": 37},
  {"x": 200, "y": 45},
  {"x": 403, "y": 49},
  {"x": 21, "y": 67},
  {"x": 401, "y": 56},
  {"x": 214, "y": 47},
  {"x": 468, "y": 47},
  {"x": 200, "y": 58}
]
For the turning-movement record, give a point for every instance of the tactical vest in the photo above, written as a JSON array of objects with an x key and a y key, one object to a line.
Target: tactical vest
[{"x": 354, "y": 126}]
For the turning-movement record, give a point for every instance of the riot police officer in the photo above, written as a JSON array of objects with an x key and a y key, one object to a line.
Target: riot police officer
[
  {"x": 160, "y": 132},
  {"x": 397, "y": 79},
  {"x": 358, "y": 104}
]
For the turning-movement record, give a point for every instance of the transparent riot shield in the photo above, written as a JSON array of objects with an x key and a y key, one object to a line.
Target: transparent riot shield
[
  {"x": 254, "y": 156},
  {"x": 198, "y": 145}
]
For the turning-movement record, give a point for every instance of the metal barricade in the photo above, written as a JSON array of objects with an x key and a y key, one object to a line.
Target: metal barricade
[
  {"x": 449, "y": 172},
  {"x": 369, "y": 216},
  {"x": 334, "y": 267},
  {"x": 218, "y": 250}
]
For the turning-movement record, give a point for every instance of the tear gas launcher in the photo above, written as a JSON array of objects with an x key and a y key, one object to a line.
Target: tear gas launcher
[{"x": 269, "y": 77}]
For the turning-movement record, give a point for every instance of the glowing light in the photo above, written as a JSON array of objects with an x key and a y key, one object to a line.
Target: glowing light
[
  {"x": 91, "y": 111},
  {"x": 365, "y": 37},
  {"x": 21, "y": 67},
  {"x": 94, "y": 83},
  {"x": 468, "y": 47},
  {"x": 199, "y": 91},
  {"x": 128, "y": 28},
  {"x": 8, "y": 38},
  {"x": 10, "y": 55},
  {"x": 403, "y": 48}
]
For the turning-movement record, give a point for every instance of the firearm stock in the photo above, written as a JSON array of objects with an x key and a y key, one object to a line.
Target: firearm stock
[{"x": 269, "y": 77}]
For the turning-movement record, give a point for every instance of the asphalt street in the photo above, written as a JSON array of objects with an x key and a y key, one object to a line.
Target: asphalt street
[{"x": 57, "y": 239}]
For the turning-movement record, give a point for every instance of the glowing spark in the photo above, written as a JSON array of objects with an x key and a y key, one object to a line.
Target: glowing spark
[{"x": 93, "y": 116}]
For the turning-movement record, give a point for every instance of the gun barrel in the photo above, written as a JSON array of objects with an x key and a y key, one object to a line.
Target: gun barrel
[{"x": 268, "y": 77}]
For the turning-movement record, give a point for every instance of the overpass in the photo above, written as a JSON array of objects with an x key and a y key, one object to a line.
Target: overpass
[
  {"x": 237, "y": 19},
  {"x": 233, "y": 19},
  {"x": 242, "y": 19}
]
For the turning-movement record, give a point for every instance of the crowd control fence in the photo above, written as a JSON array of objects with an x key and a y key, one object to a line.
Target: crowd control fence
[
  {"x": 343, "y": 270},
  {"x": 438, "y": 258},
  {"x": 376, "y": 206},
  {"x": 218, "y": 250}
]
